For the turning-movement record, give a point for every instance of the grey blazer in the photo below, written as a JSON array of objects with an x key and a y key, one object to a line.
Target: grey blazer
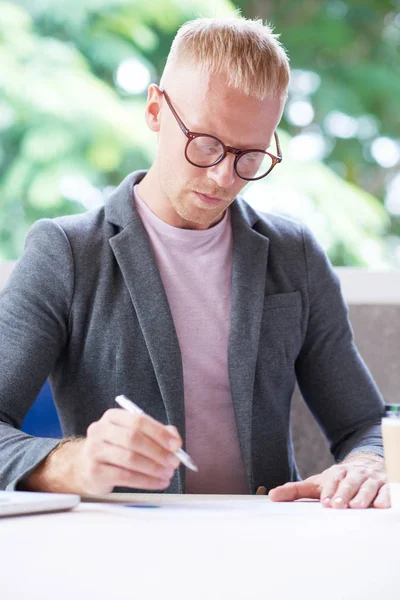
[{"x": 86, "y": 305}]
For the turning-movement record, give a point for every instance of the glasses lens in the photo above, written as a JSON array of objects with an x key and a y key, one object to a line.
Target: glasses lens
[
  {"x": 204, "y": 150},
  {"x": 252, "y": 165}
]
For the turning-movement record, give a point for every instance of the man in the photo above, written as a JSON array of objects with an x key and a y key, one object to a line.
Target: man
[{"x": 180, "y": 296}]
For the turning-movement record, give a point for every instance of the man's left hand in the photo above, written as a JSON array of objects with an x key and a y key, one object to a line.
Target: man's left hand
[{"x": 341, "y": 486}]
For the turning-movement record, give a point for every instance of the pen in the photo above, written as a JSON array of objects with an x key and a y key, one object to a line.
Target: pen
[{"x": 124, "y": 402}]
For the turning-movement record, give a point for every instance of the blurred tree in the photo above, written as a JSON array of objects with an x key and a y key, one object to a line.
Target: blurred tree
[
  {"x": 345, "y": 93},
  {"x": 69, "y": 128},
  {"x": 73, "y": 77}
]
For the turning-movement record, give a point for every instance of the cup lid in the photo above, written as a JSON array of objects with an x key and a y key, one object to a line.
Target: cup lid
[{"x": 392, "y": 410}]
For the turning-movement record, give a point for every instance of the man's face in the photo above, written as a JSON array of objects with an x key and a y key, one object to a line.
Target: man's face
[{"x": 198, "y": 197}]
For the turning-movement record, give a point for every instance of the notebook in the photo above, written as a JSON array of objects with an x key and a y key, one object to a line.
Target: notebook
[{"x": 22, "y": 503}]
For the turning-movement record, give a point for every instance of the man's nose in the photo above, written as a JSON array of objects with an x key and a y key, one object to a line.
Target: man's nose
[{"x": 223, "y": 174}]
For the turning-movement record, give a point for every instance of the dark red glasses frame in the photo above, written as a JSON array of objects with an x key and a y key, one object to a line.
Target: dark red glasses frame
[{"x": 191, "y": 135}]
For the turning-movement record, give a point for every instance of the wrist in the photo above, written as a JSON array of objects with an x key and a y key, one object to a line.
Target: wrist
[
  {"x": 57, "y": 473},
  {"x": 365, "y": 458}
]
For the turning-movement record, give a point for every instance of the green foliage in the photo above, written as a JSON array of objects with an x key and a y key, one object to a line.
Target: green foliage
[
  {"x": 354, "y": 47},
  {"x": 69, "y": 132},
  {"x": 348, "y": 221}
]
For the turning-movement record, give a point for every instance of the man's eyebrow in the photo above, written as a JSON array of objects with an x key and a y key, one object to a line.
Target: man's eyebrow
[
  {"x": 239, "y": 147},
  {"x": 254, "y": 146},
  {"x": 196, "y": 129}
]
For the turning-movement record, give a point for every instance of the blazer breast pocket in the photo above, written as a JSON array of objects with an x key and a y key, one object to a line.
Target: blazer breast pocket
[
  {"x": 280, "y": 339},
  {"x": 289, "y": 300}
]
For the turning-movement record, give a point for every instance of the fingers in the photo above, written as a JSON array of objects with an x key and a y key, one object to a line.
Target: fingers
[
  {"x": 124, "y": 449},
  {"x": 161, "y": 434},
  {"x": 365, "y": 494},
  {"x": 309, "y": 488},
  {"x": 134, "y": 440},
  {"x": 331, "y": 480},
  {"x": 135, "y": 462},
  {"x": 340, "y": 486},
  {"x": 382, "y": 499},
  {"x": 174, "y": 431},
  {"x": 352, "y": 487},
  {"x": 102, "y": 478}
]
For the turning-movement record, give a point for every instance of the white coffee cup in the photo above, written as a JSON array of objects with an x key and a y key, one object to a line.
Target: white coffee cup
[{"x": 391, "y": 445}]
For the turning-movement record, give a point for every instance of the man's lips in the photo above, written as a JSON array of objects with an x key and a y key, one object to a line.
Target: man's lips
[{"x": 209, "y": 199}]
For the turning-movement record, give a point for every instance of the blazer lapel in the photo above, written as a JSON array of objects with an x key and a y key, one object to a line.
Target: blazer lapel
[
  {"x": 138, "y": 266},
  {"x": 249, "y": 265}
]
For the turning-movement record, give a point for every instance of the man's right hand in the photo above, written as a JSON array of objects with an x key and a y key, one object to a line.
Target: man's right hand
[{"x": 121, "y": 449}]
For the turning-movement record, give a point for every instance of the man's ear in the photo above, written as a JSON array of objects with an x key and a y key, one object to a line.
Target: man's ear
[{"x": 153, "y": 107}]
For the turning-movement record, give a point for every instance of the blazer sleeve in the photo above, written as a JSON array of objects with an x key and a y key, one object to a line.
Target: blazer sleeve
[
  {"x": 333, "y": 378},
  {"x": 34, "y": 310}
]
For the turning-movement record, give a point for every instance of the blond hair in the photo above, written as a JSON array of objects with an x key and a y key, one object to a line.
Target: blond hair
[{"x": 246, "y": 50}]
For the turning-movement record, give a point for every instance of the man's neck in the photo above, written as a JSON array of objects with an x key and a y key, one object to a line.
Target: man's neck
[
  {"x": 153, "y": 196},
  {"x": 151, "y": 193}
]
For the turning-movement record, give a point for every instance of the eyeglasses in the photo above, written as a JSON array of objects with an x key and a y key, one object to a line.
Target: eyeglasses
[{"x": 204, "y": 151}]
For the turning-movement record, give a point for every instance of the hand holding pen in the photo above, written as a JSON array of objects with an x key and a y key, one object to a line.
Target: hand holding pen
[
  {"x": 124, "y": 448},
  {"x": 133, "y": 408}
]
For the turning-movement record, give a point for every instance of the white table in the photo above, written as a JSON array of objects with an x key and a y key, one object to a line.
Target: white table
[{"x": 213, "y": 547}]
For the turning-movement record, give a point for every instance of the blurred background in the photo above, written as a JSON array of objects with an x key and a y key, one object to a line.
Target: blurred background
[{"x": 73, "y": 82}]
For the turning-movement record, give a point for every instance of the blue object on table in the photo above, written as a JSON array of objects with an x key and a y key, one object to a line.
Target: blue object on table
[{"x": 42, "y": 418}]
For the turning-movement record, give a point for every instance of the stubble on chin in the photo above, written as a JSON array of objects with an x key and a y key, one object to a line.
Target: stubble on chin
[
  {"x": 183, "y": 201},
  {"x": 196, "y": 215}
]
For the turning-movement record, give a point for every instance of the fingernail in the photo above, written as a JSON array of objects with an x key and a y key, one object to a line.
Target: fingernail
[
  {"x": 326, "y": 501},
  {"x": 338, "y": 501},
  {"x": 168, "y": 473},
  {"x": 174, "y": 444}
]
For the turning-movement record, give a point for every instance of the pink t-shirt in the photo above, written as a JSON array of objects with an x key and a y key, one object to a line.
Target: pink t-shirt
[{"x": 196, "y": 270}]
